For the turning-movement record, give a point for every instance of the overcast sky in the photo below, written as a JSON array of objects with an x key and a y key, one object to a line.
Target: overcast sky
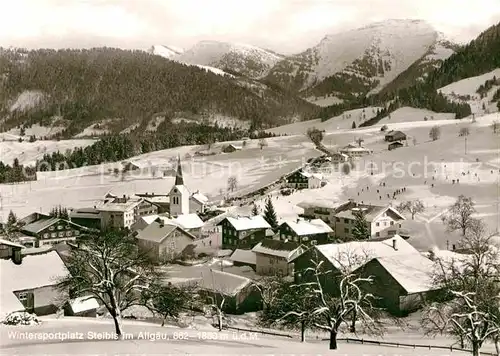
[{"x": 282, "y": 25}]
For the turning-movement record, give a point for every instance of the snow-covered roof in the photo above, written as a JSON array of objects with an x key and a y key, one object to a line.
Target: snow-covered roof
[
  {"x": 156, "y": 232},
  {"x": 182, "y": 189},
  {"x": 371, "y": 212},
  {"x": 354, "y": 254},
  {"x": 159, "y": 199},
  {"x": 279, "y": 248},
  {"x": 199, "y": 197},
  {"x": 224, "y": 253},
  {"x": 355, "y": 149},
  {"x": 34, "y": 272},
  {"x": 221, "y": 282},
  {"x": 10, "y": 243},
  {"x": 308, "y": 227},
  {"x": 311, "y": 175},
  {"x": 244, "y": 256},
  {"x": 319, "y": 203},
  {"x": 119, "y": 205},
  {"x": 188, "y": 221},
  {"x": 413, "y": 272},
  {"x": 39, "y": 225},
  {"x": 241, "y": 223},
  {"x": 81, "y": 304}
]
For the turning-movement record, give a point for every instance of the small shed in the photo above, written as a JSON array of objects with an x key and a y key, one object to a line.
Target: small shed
[
  {"x": 231, "y": 148},
  {"x": 392, "y": 136},
  {"x": 394, "y": 145},
  {"x": 81, "y": 306}
]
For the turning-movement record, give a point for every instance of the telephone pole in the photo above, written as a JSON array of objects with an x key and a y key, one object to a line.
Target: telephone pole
[{"x": 465, "y": 144}]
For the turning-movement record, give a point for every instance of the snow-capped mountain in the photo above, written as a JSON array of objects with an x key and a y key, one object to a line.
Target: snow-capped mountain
[
  {"x": 251, "y": 61},
  {"x": 166, "y": 51},
  {"x": 359, "y": 61}
]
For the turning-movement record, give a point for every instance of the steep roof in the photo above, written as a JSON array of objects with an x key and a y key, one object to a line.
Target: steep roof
[
  {"x": 241, "y": 223},
  {"x": 199, "y": 197},
  {"x": 188, "y": 221},
  {"x": 311, "y": 175},
  {"x": 371, "y": 212},
  {"x": 278, "y": 248},
  {"x": 394, "y": 133},
  {"x": 223, "y": 282},
  {"x": 157, "y": 232},
  {"x": 10, "y": 243},
  {"x": 34, "y": 272},
  {"x": 179, "y": 180},
  {"x": 244, "y": 256},
  {"x": 354, "y": 254},
  {"x": 81, "y": 304},
  {"x": 413, "y": 272},
  {"x": 118, "y": 205},
  {"x": 308, "y": 227},
  {"x": 37, "y": 226}
]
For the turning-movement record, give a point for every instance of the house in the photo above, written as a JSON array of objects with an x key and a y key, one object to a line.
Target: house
[
  {"x": 28, "y": 219},
  {"x": 244, "y": 258},
  {"x": 161, "y": 201},
  {"x": 401, "y": 283},
  {"x": 394, "y": 145},
  {"x": 302, "y": 180},
  {"x": 82, "y": 306},
  {"x": 392, "y": 136},
  {"x": 239, "y": 293},
  {"x": 305, "y": 231},
  {"x": 243, "y": 231},
  {"x": 164, "y": 242},
  {"x": 273, "y": 257},
  {"x": 383, "y": 221},
  {"x": 32, "y": 284},
  {"x": 337, "y": 158},
  {"x": 50, "y": 231},
  {"x": 123, "y": 212},
  {"x": 87, "y": 217},
  {"x": 10, "y": 251},
  {"x": 343, "y": 258},
  {"x": 231, "y": 148},
  {"x": 179, "y": 194},
  {"x": 355, "y": 151},
  {"x": 188, "y": 222},
  {"x": 323, "y": 209},
  {"x": 198, "y": 203}
]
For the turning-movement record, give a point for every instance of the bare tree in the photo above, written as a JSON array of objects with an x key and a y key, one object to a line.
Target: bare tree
[
  {"x": 360, "y": 141},
  {"x": 464, "y": 131},
  {"x": 414, "y": 207},
  {"x": 232, "y": 183},
  {"x": 459, "y": 215},
  {"x": 435, "y": 133},
  {"x": 262, "y": 143},
  {"x": 468, "y": 307},
  {"x": 495, "y": 126},
  {"x": 351, "y": 303},
  {"x": 109, "y": 267}
]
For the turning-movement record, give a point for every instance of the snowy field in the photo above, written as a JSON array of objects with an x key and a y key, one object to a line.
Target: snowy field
[
  {"x": 29, "y": 152},
  {"x": 85, "y": 336},
  {"x": 37, "y": 131},
  {"x": 324, "y": 100}
]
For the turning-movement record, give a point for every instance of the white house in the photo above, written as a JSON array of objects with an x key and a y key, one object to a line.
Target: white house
[
  {"x": 355, "y": 151},
  {"x": 123, "y": 212},
  {"x": 188, "y": 222},
  {"x": 301, "y": 180},
  {"x": 338, "y": 157},
  {"x": 198, "y": 202}
]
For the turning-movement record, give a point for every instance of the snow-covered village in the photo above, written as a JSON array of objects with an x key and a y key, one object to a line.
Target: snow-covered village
[{"x": 337, "y": 196}]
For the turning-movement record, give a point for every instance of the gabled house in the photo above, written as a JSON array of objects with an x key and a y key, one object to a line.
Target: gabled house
[
  {"x": 273, "y": 257},
  {"x": 31, "y": 285},
  {"x": 164, "y": 242},
  {"x": 303, "y": 180},
  {"x": 51, "y": 231},
  {"x": 10, "y": 250},
  {"x": 123, "y": 212},
  {"x": 355, "y": 151},
  {"x": 243, "y": 231},
  {"x": 337, "y": 158},
  {"x": 343, "y": 258},
  {"x": 383, "y": 221},
  {"x": 392, "y": 136},
  {"x": 244, "y": 258},
  {"x": 87, "y": 217},
  {"x": 305, "y": 231},
  {"x": 231, "y": 148},
  {"x": 401, "y": 283},
  {"x": 189, "y": 222},
  {"x": 198, "y": 203},
  {"x": 161, "y": 201}
]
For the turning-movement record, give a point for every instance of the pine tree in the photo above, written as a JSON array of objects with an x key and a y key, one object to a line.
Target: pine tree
[
  {"x": 360, "y": 230},
  {"x": 270, "y": 214},
  {"x": 12, "y": 219},
  {"x": 255, "y": 210},
  {"x": 353, "y": 125}
]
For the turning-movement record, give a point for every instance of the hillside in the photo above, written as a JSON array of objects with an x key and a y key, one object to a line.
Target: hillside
[
  {"x": 84, "y": 87},
  {"x": 244, "y": 59},
  {"x": 360, "y": 61}
]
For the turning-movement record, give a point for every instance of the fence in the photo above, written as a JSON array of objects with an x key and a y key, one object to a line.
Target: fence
[
  {"x": 399, "y": 344},
  {"x": 259, "y": 331}
]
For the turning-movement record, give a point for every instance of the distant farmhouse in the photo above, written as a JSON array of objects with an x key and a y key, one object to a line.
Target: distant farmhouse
[
  {"x": 304, "y": 180},
  {"x": 305, "y": 231},
  {"x": 337, "y": 158},
  {"x": 392, "y": 136},
  {"x": 394, "y": 145},
  {"x": 243, "y": 231},
  {"x": 273, "y": 257},
  {"x": 355, "y": 151},
  {"x": 231, "y": 148}
]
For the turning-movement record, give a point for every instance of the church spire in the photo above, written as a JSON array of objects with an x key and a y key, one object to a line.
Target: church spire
[{"x": 179, "y": 180}]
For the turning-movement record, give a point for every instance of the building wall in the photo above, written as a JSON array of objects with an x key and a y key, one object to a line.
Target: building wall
[
  {"x": 297, "y": 180},
  {"x": 144, "y": 208},
  {"x": 62, "y": 231},
  {"x": 150, "y": 247},
  {"x": 196, "y": 207},
  {"x": 41, "y": 301},
  {"x": 179, "y": 203},
  {"x": 174, "y": 244},
  {"x": 329, "y": 281},
  {"x": 268, "y": 265},
  {"x": 116, "y": 219},
  {"x": 343, "y": 228},
  {"x": 247, "y": 239},
  {"x": 385, "y": 226}
]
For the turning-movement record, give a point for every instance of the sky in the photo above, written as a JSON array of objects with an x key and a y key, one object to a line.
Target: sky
[{"x": 286, "y": 26}]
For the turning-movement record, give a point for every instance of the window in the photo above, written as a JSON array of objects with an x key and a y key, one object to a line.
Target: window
[
  {"x": 23, "y": 296},
  {"x": 377, "y": 224},
  {"x": 377, "y": 234},
  {"x": 68, "y": 233},
  {"x": 346, "y": 230},
  {"x": 52, "y": 228},
  {"x": 392, "y": 223},
  {"x": 46, "y": 235},
  {"x": 400, "y": 226},
  {"x": 61, "y": 234},
  {"x": 346, "y": 221},
  {"x": 385, "y": 223},
  {"x": 337, "y": 219},
  {"x": 59, "y": 227},
  {"x": 295, "y": 238},
  {"x": 53, "y": 235},
  {"x": 252, "y": 237},
  {"x": 77, "y": 233}
]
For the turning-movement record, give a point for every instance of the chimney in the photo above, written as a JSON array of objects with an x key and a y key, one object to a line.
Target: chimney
[{"x": 394, "y": 245}]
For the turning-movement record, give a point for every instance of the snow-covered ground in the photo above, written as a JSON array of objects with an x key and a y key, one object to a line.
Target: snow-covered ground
[
  {"x": 92, "y": 130},
  {"x": 469, "y": 86},
  {"x": 154, "y": 123},
  {"x": 29, "y": 152},
  {"x": 37, "y": 130},
  {"x": 325, "y": 100},
  {"x": 27, "y": 100}
]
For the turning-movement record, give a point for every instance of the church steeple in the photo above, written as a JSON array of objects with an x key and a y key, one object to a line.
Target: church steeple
[{"x": 179, "y": 180}]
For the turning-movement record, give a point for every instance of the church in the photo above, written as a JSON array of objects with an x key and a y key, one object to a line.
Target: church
[{"x": 181, "y": 200}]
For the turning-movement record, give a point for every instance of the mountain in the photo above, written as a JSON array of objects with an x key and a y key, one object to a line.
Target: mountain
[
  {"x": 165, "y": 51},
  {"x": 243, "y": 59},
  {"x": 360, "y": 61},
  {"x": 122, "y": 88}
]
